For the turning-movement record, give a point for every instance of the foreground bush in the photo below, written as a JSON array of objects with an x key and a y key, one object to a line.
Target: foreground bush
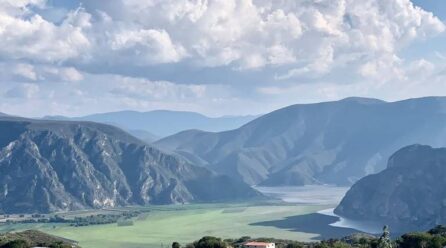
[
  {"x": 16, "y": 244},
  {"x": 434, "y": 238},
  {"x": 208, "y": 242}
]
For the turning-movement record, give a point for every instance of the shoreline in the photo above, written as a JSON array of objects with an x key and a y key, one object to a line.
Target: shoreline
[{"x": 362, "y": 226}]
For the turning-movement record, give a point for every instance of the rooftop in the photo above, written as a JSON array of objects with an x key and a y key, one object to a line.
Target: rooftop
[{"x": 257, "y": 244}]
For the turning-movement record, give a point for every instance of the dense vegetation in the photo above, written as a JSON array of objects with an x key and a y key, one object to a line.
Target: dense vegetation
[
  {"x": 121, "y": 218},
  {"x": 434, "y": 238},
  {"x": 28, "y": 239}
]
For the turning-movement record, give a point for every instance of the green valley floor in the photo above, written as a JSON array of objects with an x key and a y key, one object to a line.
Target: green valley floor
[{"x": 163, "y": 225}]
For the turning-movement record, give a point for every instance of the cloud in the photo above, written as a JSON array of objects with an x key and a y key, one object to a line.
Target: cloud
[
  {"x": 382, "y": 69},
  {"x": 206, "y": 55},
  {"x": 390, "y": 78},
  {"x": 146, "y": 46},
  {"x": 59, "y": 74},
  {"x": 108, "y": 92},
  {"x": 28, "y": 36},
  {"x": 70, "y": 74},
  {"x": 20, "y": 5},
  {"x": 26, "y": 71},
  {"x": 313, "y": 38},
  {"x": 310, "y": 37},
  {"x": 25, "y": 91},
  {"x": 156, "y": 90}
]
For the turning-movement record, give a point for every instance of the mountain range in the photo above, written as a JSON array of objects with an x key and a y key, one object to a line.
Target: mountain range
[
  {"x": 324, "y": 143},
  {"x": 52, "y": 165},
  {"x": 410, "y": 194},
  {"x": 48, "y": 166},
  {"x": 161, "y": 123}
]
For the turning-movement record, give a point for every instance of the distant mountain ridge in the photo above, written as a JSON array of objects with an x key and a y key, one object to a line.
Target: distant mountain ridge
[
  {"x": 324, "y": 143},
  {"x": 48, "y": 166},
  {"x": 161, "y": 123},
  {"x": 410, "y": 194}
]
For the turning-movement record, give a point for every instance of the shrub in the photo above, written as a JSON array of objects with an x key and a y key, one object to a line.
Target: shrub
[
  {"x": 59, "y": 245},
  {"x": 210, "y": 242},
  {"x": 438, "y": 230},
  {"x": 294, "y": 245},
  {"x": 421, "y": 240},
  {"x": 16, "y": 244}
]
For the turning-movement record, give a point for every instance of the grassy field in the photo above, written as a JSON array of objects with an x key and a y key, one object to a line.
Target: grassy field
[{"x": 163, "y": 225}]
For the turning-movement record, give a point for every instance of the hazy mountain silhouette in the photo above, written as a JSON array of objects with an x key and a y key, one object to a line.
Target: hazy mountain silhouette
[
  {"x": 331, "y": 142},
  {"x": 161, "y": 123}
]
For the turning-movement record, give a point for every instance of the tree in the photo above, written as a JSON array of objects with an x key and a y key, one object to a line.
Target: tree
[
  {"x": 294, "y": 245},
  {"x": 384, "y": 240},
  {"x": 422, "y": 240},
  {"x": 59, "y": 244},
  {"x": 16, "y": 244},
  {"x": 243, "y": 239},
  {"x": 438, "y": 230},
  {"x": 176, "y": 245},
  {"x": 210, "y": 242}
]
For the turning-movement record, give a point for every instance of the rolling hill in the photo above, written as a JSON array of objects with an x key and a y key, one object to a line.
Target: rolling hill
[{"x": 34, "y": 238}]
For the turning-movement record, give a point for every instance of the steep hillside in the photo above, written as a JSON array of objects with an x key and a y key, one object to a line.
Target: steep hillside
[
  {"x": 411, "y": 192},
  {"x": 143, "y": 135},
  {"x": 33, "y": 238},
  {"x": 333, "y": 142},
  {"x": 51, "y": 166}
]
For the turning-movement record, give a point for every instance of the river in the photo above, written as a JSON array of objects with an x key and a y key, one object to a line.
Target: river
[{"x": 325, "y": 222}]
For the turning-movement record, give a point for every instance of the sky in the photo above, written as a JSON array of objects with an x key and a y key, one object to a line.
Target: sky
[{"x": 216, "y": 57}]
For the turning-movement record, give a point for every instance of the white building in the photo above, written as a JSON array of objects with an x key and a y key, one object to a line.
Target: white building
[{"x": 259, "y": 245}]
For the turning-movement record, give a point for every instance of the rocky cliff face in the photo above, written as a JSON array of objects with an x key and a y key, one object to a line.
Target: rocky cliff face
[
  {"x": 411, "y": 192},
  {"x": 50, "y": 166}
]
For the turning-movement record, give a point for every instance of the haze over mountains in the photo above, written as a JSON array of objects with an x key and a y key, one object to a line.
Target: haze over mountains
[
  {"x": 160, "y": 123},
  {"x": 410, "y": 194},
  {"x": 50, "y": 166},
  {"x": 323, "y": 143}
]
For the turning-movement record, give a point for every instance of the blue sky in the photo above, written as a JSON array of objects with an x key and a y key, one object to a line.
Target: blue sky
[
  {"x": 435, "y": 44},
  {"x": 220, "y": 57},
  {"x": 438, "y": 7}
]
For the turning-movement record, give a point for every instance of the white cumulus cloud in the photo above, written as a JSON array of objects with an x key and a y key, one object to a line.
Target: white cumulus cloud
[{"x": 175, "y": 53}]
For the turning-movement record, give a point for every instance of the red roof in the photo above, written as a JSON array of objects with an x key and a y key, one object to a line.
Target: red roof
[{"x": 257, "y": 244}]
